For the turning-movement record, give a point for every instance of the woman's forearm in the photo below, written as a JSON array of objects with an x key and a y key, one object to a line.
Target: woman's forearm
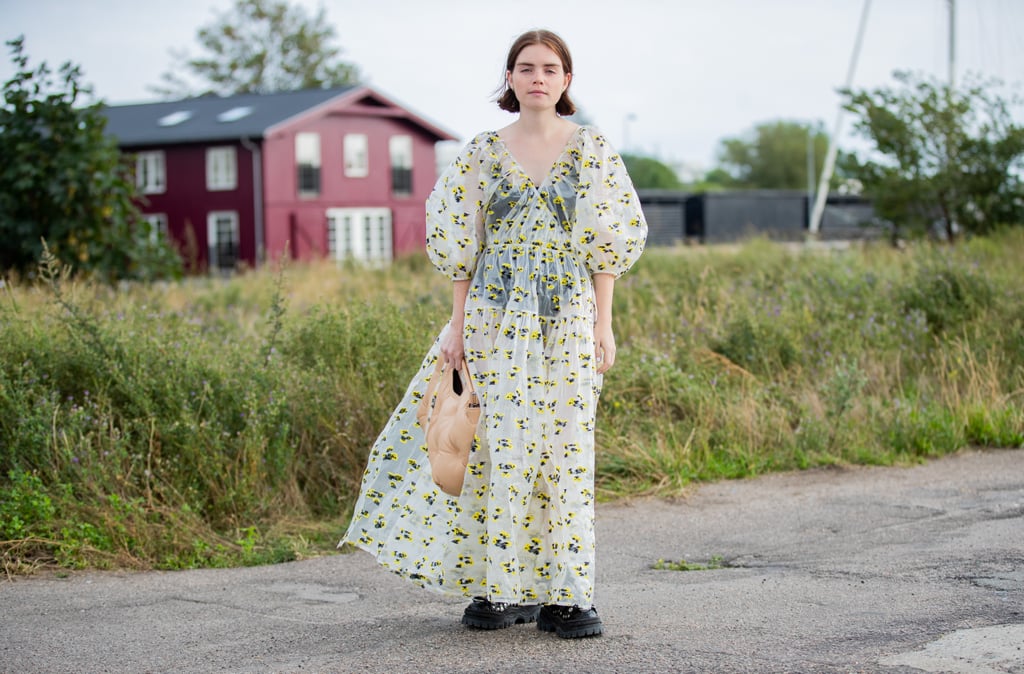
[
  {"x": 452, "y": 349},
  {"x": 604, "y": 290},
  {"x": 460, "y": 289},
  {"x": 604, "y": 338}
]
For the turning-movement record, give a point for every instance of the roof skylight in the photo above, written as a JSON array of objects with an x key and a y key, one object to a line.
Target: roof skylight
[
  {"x": 175, "y": 118},
  {"x": 235, "y": 114}
]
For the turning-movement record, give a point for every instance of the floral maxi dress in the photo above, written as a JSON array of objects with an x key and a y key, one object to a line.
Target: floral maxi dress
[{"x": 522, "y": 531}]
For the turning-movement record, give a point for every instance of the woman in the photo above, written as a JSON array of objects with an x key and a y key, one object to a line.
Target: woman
[{"x": 533, "y": 223}]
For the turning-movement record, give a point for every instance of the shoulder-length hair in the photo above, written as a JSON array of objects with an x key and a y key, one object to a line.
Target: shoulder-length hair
[{"x": 506, "y": 98}]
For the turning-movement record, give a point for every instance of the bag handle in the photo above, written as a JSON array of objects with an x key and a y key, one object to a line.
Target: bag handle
[
  {"x": 466, "y": 378},
  {"x": 440, "y": 371}
]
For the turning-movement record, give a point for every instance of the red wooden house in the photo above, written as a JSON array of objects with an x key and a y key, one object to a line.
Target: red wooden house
[{"x": 338, "y": 172}]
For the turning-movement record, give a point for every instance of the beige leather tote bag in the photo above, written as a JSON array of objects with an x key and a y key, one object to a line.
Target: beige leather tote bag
[{"x": 449, "y": 414}]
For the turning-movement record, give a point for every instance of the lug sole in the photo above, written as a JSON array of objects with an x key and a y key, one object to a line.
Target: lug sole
[{"x": 590, "y": 628}]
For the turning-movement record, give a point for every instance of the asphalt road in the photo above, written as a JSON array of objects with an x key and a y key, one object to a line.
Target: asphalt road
[{"x": 839, "y": 570}]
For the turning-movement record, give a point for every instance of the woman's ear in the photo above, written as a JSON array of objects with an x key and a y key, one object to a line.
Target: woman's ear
[{"x": 568, "y": 81}]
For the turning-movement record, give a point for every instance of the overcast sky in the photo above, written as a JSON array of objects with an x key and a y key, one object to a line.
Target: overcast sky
[{"x": 669, "y": 78}]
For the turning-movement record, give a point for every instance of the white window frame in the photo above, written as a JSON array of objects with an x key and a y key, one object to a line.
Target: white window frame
[
  {"x": 221, "y": 168},
  {"x": 151, "y": 172},
  {"x": 357, "y": 155},
  {"x": 213, "y": 219},
  {"x": 157, "y": 226},
  {"x": 400, "y": 152},
  {"x": 307, "y": 153},
  {"x": 362, "y": 235}
]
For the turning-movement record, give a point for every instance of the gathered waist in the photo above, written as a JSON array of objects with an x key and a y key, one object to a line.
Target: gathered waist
[{"x": 533, "y": 244}]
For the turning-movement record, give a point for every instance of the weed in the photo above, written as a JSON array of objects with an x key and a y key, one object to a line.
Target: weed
[
  {"x": 716, "y": 562},
  {"x": 277, "y": 310},
  {"x": 26, "y": 508}
]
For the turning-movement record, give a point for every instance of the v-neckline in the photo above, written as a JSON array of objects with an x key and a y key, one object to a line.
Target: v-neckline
[{"x": 554, "y": 164}]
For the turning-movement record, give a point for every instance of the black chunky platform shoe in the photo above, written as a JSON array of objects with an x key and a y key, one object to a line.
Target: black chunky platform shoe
[
  {"x": 570, "y": 622},
  {"x": 486, "y": 615}
]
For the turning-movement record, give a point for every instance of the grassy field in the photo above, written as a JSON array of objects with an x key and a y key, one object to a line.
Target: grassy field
[{"x": 224, "y": 422}]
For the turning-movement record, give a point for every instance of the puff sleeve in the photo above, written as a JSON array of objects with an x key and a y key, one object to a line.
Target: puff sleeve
[
  {"x": 454, "y": 215},
  {"x": 610, "y": 230}
]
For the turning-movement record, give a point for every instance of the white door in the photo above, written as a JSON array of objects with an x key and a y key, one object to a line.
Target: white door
[{"x": 360, "y": 234}]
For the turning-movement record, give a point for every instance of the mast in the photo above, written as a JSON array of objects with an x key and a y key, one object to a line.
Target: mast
[{"x": 952, "y": 43}]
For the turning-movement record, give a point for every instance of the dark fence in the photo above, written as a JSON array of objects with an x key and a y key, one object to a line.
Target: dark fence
[
  {"x": 722, "y": 217},
  {"x": 665, "y": 211}
]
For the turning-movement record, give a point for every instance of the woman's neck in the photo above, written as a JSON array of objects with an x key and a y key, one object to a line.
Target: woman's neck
[{"x": 542, "y": 123}]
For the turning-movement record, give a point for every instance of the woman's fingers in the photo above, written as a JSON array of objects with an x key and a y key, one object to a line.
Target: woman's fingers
[
  {"x": 604, "y": 348},
  {"x": 605, "y": 358},
  {"x": 452, "y": 349}
]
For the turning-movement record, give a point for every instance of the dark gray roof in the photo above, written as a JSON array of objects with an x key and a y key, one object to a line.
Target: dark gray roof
[{"x": 210, "y": 117}]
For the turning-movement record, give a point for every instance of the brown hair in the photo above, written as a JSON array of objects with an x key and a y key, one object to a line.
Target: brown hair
[{"x": 506, "y": 98}]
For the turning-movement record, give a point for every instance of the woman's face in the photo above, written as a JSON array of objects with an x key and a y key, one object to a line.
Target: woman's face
[{"x": 538, "y": 78}]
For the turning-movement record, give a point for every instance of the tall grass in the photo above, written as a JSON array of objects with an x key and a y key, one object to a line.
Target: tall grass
[{"x": 218, "y": 422}]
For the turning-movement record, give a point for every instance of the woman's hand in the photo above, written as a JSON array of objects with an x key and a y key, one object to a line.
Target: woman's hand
[
  {"x": 452, "y": 346},
  {"x": 604, "y": 347}
]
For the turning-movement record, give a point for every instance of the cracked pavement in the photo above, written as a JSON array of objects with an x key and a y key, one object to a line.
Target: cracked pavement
[{"x": 833, "y": 570}]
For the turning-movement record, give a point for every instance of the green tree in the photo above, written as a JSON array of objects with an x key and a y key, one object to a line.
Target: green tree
[
  {"x": 261, "y": 46},
  {"x": 715, "y": 180},
  {"x": 649, "y": 173},
  {"x": 773, "y": 155},
  {"x": 63, "y": 180},
  {"x": 940, "y": 157}
]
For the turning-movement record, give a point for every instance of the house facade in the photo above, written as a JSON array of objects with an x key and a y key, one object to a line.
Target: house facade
[{"x": 237, "y": 180}]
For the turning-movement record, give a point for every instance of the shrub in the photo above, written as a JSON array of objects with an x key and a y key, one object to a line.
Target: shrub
[
  {"x": 948, "y": 295},
  {"x": 760, "y": 347}
]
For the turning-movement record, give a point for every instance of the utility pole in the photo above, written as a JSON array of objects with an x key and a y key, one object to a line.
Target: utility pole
[
  {"x": 833, "y": 148},
  {"x": 810, "y": 171}
]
